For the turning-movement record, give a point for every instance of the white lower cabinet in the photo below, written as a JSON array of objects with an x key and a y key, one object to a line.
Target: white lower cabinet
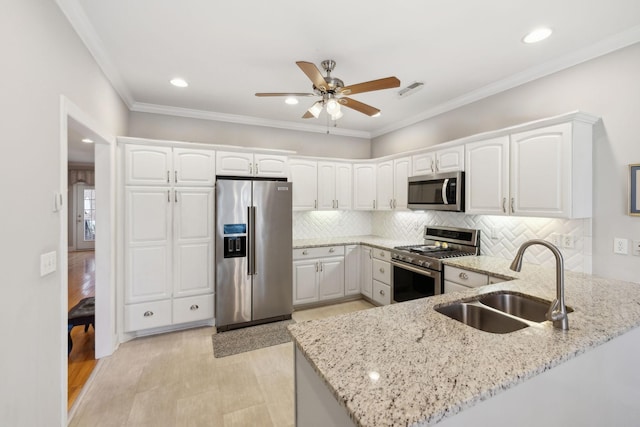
[
  {"x": 147, "y": 315},
  {"x": 458, "y": 279},
  {"x": 366, "y": 270},
  {"x": 192, "y": 309},
  {"x": 381, "y": 293},
  {"x": 318, "y": 274},
  {"x": 381, "y": 275},
  {"x": 352, "y": 270}
]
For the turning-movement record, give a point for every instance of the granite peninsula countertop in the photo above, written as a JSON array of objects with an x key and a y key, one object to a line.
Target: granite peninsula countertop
[{"x": 431, "y": 367}]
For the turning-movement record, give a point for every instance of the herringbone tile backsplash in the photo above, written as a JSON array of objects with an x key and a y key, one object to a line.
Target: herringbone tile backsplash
[{"x": 500, "y": 236}]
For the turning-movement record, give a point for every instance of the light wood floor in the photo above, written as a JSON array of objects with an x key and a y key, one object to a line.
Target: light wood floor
[
  {"x": 82, "y": 358},
  {"x": 173, "y": 380}
]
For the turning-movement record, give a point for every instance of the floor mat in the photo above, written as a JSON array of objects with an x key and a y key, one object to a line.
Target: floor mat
[{"x": 250, "y": 338}]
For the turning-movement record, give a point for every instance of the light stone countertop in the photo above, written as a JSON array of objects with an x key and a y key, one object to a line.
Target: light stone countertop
[
  {"x": 432, "y": 367},
  {"x": 369, "y": 240}
]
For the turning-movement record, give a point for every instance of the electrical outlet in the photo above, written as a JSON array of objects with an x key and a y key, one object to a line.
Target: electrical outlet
[
  {"x": 567, "y": 241},
  {"x": 494, "y": 233},
  {"x": 48, "y": 263},
  {"x": 636, "y": 247},
  {"x": 620, "y": 246},
  {"x": 555, "y": 239}
]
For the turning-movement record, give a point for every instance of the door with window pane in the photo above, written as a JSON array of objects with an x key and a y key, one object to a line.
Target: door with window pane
[{"x": 85, "y": 216}]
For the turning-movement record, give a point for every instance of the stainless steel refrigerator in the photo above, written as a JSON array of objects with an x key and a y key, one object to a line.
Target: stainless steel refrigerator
[{"x": 253, "y": 252}]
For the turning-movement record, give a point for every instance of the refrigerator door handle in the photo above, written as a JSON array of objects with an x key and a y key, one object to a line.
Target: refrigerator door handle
[
  {"x": 252, "y": 240},
  {"x": 249, "y": 241}
]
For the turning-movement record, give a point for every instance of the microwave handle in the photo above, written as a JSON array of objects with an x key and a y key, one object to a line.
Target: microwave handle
[{"x": 445, "y": 184}]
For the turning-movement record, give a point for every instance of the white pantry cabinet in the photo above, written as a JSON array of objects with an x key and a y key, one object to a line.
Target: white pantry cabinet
[
  {"x": 168, "y": 236},
  {"x": 364, "y": 186},
  {"x": 153, "y": 165},
  {"x": 318, "y": 274},
  {"x": 436, "y": 161},
  {"x": 544, "y": 172},
  {"x": 231, "y": 163}
]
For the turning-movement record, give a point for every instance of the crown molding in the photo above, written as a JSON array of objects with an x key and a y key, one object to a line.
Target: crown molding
[
  {"x": 244, "y": 120},
  {"x": 81, "y": 24},
  {"x": 601, "y": 48}
]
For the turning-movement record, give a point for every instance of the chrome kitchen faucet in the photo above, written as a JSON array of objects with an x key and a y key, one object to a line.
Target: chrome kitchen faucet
[{"x": 558, "y": 310}]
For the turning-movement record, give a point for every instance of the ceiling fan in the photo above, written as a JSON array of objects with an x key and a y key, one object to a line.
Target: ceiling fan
[{"x": 332, "y": 91}]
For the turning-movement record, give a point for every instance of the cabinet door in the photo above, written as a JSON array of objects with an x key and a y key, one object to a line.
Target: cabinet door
[
  {"x": 331, "y": 283},
  {"x": 366, "y": 270},
  {"x": 423, "y": 163},
  {"x": 364, "y": 186},
  {"x": 193, "y": 241},
  {"x": 305, "y": 281},
  {"x": 268, "y": 165},
  {"x": 487, "y": 177},
  {"x": 304, "y": 176},
  {"x": 541, "y": 172},
  {"x": 234, "y": 164},
  {"x": 147, "y": 165},
  {"x": 352, "y": 270},
  {"x": 450, "y": 159},
  {"x": 344, "y": 185},
  {"x": 147, "y": 244},
  {"x": 401, "y": 172},
  {"x": 194, "y": 167},
  {"x": 326, "y": 185},
  {"x": 384, "y": 186}
]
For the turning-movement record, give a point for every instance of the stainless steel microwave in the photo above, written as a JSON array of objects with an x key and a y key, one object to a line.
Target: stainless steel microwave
[{"x": 439, "y": 191}]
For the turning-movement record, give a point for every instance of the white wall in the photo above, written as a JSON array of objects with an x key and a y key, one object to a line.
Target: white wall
[
  {"x": 607, "y": 87},
  {"x": 158, "y": 126},
  {"x": 42, "y": 60}
]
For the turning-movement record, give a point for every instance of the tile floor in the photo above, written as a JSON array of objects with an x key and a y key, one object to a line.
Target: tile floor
[{"x": 174, "y": 380}]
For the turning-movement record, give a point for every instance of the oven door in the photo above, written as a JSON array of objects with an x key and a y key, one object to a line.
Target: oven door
[{"x": 409, "y": 282}]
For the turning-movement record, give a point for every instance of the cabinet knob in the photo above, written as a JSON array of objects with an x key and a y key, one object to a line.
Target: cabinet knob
[
  {"x": 463, "y": 276},
  {"x": 332, "y": 250},
  {"x": 305, "y": 252},
  {"x": 381, "y": 292},
  {"x": 194, "y": 307},
  {"x": 381, "y": 254},
  {"x": 148, "y": 313},
  {"x": 381, "y": 270}
]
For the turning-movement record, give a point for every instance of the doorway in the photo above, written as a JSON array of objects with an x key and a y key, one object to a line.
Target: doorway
[
  {"x": 84, "y": 216},
  {"x": 76, "y": 125}
]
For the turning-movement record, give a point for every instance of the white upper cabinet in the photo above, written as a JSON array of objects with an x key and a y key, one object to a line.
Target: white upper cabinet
[
  {"x": 544, "y": 172},
  {"x": 401, "y": 173},
  {"x": 443, "y": 160},
  {"x": 230, "y": 163},
  {"x": 304, "y": 176},
  {"x": 344, "y": 186},
  {"x": 364, "y": 186},
  {"x": 487, "y": 176},
  {"x": 149, "y": 165},
  {"x": 326, "y": 185},
  {"x": 391, "y": 179},
  {"x": 384, "y": 187}
]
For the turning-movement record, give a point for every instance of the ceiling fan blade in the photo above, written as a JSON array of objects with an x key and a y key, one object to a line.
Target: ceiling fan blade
[
  {"x": 310, "y": 69},
  {"x": 359, "y": 106},
  {"x": 307, "y": 115},
  {"x": 284, "y": 94},
  {"x": 386, "y": 83}
]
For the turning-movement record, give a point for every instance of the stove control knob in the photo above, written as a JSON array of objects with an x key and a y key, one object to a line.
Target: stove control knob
[{"x": 420, "y": 262}]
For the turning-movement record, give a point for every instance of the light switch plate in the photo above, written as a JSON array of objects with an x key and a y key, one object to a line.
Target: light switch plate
[
  {"x": 636, "y": 247},
  {"x": 48, "y": 263}
]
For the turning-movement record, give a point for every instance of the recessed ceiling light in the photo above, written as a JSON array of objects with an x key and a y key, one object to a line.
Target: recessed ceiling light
[
  {"x": 178, "y": 82},
  {"x": 537, "y": 35},
  {"x": 87, "y": 140},
  {"x": 291, "y": 100}
]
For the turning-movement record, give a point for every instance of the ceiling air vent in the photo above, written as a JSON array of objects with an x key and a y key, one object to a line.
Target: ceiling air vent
[{"x": 412, "y": 88}]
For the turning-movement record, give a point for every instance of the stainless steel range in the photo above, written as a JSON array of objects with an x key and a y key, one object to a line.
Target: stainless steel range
[{"x": 417, "y": 269}]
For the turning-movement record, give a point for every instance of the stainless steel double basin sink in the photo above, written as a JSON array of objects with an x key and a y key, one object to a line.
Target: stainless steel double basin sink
[{"x": 499, "y": 312}]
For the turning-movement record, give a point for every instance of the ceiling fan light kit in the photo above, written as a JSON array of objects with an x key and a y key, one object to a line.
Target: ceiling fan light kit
[{"x": 332, "y": 89}]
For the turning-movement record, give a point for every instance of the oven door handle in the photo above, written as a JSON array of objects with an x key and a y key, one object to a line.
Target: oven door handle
[{"x": 424, "y": 272}]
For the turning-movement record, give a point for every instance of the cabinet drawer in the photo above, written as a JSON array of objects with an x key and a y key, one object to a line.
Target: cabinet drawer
[
  {"x": 465, "y": 277},
  {"x": 192, "y": 309},
  {"x": 454, "y": 287},
  {"x": 323, "y": 251},
  {"x": 147, "y": 315},
  {"x": 382, "y": 271},
  {"x": 381, "y": 293},
  {"x": 381, "y": 254}
]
